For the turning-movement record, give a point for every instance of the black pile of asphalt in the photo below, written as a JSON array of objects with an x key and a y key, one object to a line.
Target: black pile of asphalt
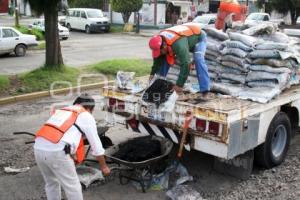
[
  {"x": 139, "y": 149},
  {"x": 158, "y": 92}
]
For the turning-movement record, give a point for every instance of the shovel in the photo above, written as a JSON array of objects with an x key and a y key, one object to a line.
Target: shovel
[{"x": 186, "y": 124}]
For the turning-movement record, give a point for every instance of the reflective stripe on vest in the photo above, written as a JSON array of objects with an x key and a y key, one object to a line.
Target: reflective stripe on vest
[
  {"x": 59, "y": 123},
  {"x": 172, "y": 34}
]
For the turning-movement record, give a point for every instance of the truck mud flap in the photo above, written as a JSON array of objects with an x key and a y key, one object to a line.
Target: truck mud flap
[
  {"x": 239, "y": 167},
  {"x": 152, "y": 129}
]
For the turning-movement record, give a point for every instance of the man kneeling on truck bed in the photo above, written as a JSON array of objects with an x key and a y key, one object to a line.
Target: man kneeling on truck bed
[{"x": 175, "y": 43}]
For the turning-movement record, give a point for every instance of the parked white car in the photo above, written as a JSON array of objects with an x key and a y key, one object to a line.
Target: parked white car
[
  {"x": 62, "y": 20},
  {"x": 254, "y": 18},
  {"x": 89, "y": 20},
  {"x": 39, "y": 24},
  {"x": 206, "y": 20},
  {"x": 11, "y": 40}
]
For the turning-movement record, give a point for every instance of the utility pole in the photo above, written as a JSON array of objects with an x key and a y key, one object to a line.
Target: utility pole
[{"x": 155, "y": 12}]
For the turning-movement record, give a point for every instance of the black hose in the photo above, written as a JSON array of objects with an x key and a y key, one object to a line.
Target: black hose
[{"x": 24, "y": 133}]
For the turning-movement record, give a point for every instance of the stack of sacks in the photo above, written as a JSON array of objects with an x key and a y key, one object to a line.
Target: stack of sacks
[
  {"x": 256, "y": 63},
  {"x": 260, "y": 62}
]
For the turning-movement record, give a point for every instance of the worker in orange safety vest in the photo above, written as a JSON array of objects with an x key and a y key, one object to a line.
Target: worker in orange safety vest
[
  {"x": 59, "y": 146},
  {"x": 175, "y": 43}
]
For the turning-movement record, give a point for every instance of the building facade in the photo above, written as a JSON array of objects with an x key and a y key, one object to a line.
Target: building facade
[
  {"x": 4, "y": 5},
  {"x": 161, "y": 12}
]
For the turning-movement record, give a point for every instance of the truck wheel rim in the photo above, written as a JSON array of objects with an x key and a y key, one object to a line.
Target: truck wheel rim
[{"x": 279, "y": 141}]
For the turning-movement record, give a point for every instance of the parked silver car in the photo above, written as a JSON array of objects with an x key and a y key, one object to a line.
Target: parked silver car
[
  {"x": 206, "y": 20},
  {"x": 11, "y": 40},
  {"x": 39, "y": 24}
]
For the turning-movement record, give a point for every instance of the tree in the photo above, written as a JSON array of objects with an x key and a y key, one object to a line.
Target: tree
[
  {"x": 53, "y": 49},
  {"x": 126, "y": 7},
  {"x": 283, "y": 6},
  {"x": 87, "y": 4}
]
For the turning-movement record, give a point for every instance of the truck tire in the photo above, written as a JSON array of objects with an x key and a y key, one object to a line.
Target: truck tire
[
  {"x": 274, "y": 150},
  {"x": 69, "y": 27},
  {"x": 20, "y": 50}
]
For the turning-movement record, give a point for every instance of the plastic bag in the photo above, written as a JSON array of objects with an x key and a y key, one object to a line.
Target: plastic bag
[
  {"x": 264, "y": 28},
  {"x": 183, "y": 192},
  {"x": 89, "y": 175},
  {"x": 235, "y": 52},
  {"x": 125, "y": 79},
  {"x": 247, "y": 40},
  {"x": 264, "y": 54},
  {"x": 213, "y": 32},
  {"x": 236, "y": 44},
  {"x": 271, "y": 45},
  {"x": 239, "y": 61},
  {"x": 169, "y": 105}
]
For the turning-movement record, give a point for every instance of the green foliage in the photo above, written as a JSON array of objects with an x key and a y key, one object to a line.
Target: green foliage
[
  {"x": 86, "y": 4},
  {"x": 283, "y": 6},
  {"x": 42, "y": 78},
  {"x": 126, "y": 7},
  {"x": 116, "y": 29},
  {"x": 111, "y": 67},
  {"x": 39, "y": 34},
  {"x": 4, "y": 82}
]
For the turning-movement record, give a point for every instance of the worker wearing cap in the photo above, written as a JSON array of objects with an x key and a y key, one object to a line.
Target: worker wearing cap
[
  {"x": 59, "y": 145},
  {"x": 175, "y": 43}
]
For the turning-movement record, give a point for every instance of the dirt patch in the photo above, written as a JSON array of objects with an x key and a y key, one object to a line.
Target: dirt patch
[{"x": 15, "y": 86}]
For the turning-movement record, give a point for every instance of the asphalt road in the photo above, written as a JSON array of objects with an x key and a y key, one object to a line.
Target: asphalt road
[
  {"x": 282, "y": 182},
  {"x": 82, "y": 49}
]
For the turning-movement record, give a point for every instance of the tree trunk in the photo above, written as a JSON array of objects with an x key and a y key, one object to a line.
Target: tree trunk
[
  {"x": 293, "y": 16},
  {"x": 126, "y": 16},
  {"x": 53, "y": 48}
]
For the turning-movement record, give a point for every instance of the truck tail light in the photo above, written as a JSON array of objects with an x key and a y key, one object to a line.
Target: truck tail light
[
  {"x": 116, "y": 104},
  {"x": 213, "y": 128},
  {"x": 200, "y": 125},
  {"x": 112, "y": 102}
]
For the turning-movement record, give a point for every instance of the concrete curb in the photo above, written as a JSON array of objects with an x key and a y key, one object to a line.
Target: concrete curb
[
  {"x": 138, "y": 34},
  {"x": 35, "y": 95}
]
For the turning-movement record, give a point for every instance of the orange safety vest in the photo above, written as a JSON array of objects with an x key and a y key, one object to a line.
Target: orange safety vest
[
  {"x": 59, "y": 123},
  {"x": 172, "y": 34}
]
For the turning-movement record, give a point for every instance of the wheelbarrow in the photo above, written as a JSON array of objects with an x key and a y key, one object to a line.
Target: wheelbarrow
[
  {"x": 106, "y": 141},
  {"x": 140, "y": 172}
]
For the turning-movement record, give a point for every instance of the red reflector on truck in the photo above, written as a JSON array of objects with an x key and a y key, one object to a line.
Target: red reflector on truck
[
  {"x": 133, "y": 123},
  {"x": 200, "y": 125},
  {"x": 213, "y": 128},
  {"x": 116, "y": 104},
  {"x": 112, "y": 102}
]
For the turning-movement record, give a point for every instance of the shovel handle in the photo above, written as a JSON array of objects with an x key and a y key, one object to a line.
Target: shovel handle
[
  {"x": 184, "y": 133},
  {"x": 186, "y": 124}
]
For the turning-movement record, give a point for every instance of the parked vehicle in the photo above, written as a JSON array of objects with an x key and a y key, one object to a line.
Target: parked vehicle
[
  {"x": 39, "y": 24},
  {"x": 253, "y": 18},
  {"x": 89, "y": 20},
  {"x": 62, "y": 20},
  {"x": 11, "y": 40},
  {"x": 206, "y": 20}
]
